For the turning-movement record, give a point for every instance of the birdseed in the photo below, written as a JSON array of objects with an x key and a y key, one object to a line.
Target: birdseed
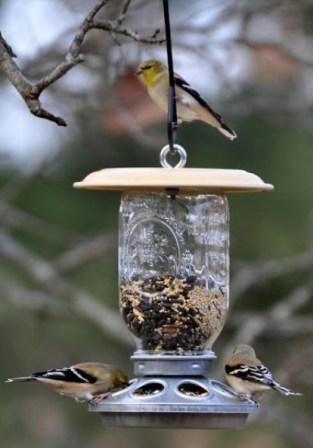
[{"x": 168, "y": 313}]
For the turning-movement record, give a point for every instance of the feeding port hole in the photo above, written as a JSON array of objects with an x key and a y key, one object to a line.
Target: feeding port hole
[
  {"x": 151, "y": 388},
  {"x": 193, "y": 390}
]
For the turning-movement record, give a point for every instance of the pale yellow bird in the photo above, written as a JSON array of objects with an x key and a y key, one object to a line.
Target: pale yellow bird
[
  {"x": 86, "y": 381},
  {"x": 190, "y": 104},
  {"x": 248, "y": 376}
]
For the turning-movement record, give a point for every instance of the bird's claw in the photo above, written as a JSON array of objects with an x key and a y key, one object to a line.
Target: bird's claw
[
  {"x": 245, "y": 397},
  {"x": 98, "y": 398}
]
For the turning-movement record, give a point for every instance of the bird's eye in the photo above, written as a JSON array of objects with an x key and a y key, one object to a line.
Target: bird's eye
[{"x": 147, "y": 67}]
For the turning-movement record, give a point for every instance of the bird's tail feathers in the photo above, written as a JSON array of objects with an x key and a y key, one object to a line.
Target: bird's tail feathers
[
  {"x": 283, "y": 390},
  {"x": 227, "y": 131},
  {"x": 20, "y": 378}
]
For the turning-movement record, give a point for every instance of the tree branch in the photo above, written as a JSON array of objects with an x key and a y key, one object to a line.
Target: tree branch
[
  {"x": 123, "y": 12},
  {"x": 13, "y": 217},
  {"x": 24, "y": 87},
  {"x": 114, "y": 27},
  {"x": 249, "y": 275},
  {"x": 31, "y": 92},
  {"x": 283, "y": 328},
  {"x": 279, "y": 313},
  {"x": 81, "y": 302},
  {"x": 84, "y": 251},
  {"x": 33, "y": 300},
  {"x": 73, "y": 56},
  {"x": 7, "y": 47}
]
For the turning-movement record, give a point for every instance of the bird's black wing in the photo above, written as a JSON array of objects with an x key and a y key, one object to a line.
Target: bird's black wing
[
  {"x": 68, "y": 374},
  {"x": 257, "y": 374},
  {"x": 184, "y": 85}
]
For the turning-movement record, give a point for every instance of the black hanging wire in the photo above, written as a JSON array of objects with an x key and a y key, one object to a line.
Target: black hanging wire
[{"x": 172, "y": 112}]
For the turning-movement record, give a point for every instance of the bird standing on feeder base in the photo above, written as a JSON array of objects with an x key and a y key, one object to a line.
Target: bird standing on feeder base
[
  {"x": 190, "y": 105},
  {"x": 87, "y": 381},
  {"x": 249, "y": 377}
]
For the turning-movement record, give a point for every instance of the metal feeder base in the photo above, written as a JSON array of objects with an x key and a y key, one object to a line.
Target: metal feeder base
[{"x": 174, "y": 402}]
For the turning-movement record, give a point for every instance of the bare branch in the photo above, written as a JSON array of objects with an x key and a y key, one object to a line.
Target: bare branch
[
  {"x": 75, "y": 46},
  {"x": 31, "y": 92},
  {"x": 250, "y": 329},
  {"x": 84, "y": 251},
  {"x": 124, "y": 10},
  {"x": 57, "y": 73},
  {"x": 73, "y": 56},
  {"x": 113, "y": 27},
  {"x": 280, "y": 311},
  {"x": 291, "y": 327},
  {"x": 33, "y": 300},
  {"x": 253, "y": 274},
  {"x": 13, "y": 217},
  {"x": 80, "y": 301},
  {"x": 15, "y": 76},
  {"x": 7, "y": 47}
]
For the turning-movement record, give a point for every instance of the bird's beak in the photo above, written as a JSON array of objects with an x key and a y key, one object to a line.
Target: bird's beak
[{"x": 139, "y": 72}]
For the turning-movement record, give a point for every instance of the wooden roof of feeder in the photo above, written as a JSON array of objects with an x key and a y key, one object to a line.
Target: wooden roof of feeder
[{"x": 186, "y": 180}]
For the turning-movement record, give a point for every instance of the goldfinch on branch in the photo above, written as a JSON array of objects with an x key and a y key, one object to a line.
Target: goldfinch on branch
[
  {"x": 248, "y": 376},
  {"x": 87, "y": 381},
  {"x": 190, "y": 105}
]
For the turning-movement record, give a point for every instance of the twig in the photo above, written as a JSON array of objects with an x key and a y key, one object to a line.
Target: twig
[
  {"x": 113, "y": 27},
  {"x": 7, "y": 47},
  {"x": 73, "y": 55},
  {"x": 123, "y": 12}
]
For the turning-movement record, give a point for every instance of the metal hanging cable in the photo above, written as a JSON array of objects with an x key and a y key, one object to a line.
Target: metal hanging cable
[{"x": 172, "y": 112}]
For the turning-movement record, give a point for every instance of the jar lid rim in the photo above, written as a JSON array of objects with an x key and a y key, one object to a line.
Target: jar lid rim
[{"x": 186, "y": 180}]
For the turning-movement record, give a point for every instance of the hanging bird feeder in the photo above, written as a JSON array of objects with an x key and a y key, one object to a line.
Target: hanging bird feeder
[
  {"x": 174, "y": 285},
  {"x": 174, "y": 293}
]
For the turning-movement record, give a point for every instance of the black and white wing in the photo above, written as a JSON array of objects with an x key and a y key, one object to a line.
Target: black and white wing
[
  {"x": 67, "y": 374},
  {"x": 256, "y": 374}
]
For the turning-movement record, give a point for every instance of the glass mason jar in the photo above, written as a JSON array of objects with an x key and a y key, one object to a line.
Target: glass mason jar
[{"x": 174, "y": 270}]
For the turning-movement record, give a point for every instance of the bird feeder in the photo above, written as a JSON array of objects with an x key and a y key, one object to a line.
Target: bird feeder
[{"x": 174, "y": 293}]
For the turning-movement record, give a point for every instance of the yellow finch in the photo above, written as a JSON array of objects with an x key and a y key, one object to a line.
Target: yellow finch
[
  {"x": 190, "y": 105},
  {"x": 248, "y": 376},
  {"x": 86, "y": 381}
]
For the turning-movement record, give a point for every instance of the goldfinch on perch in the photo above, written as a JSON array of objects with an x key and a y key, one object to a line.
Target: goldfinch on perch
[
  {"x": 249, "y": 377},
  {"x": 190, "y": 105},
  {"x": 87, "y": 381}
]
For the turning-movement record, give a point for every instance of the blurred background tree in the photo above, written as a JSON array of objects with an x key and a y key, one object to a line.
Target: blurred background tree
[{"x": 253, "y": 62}]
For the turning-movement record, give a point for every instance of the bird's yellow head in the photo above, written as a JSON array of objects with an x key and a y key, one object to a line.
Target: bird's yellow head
[{"x": 150, "y": 71}]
